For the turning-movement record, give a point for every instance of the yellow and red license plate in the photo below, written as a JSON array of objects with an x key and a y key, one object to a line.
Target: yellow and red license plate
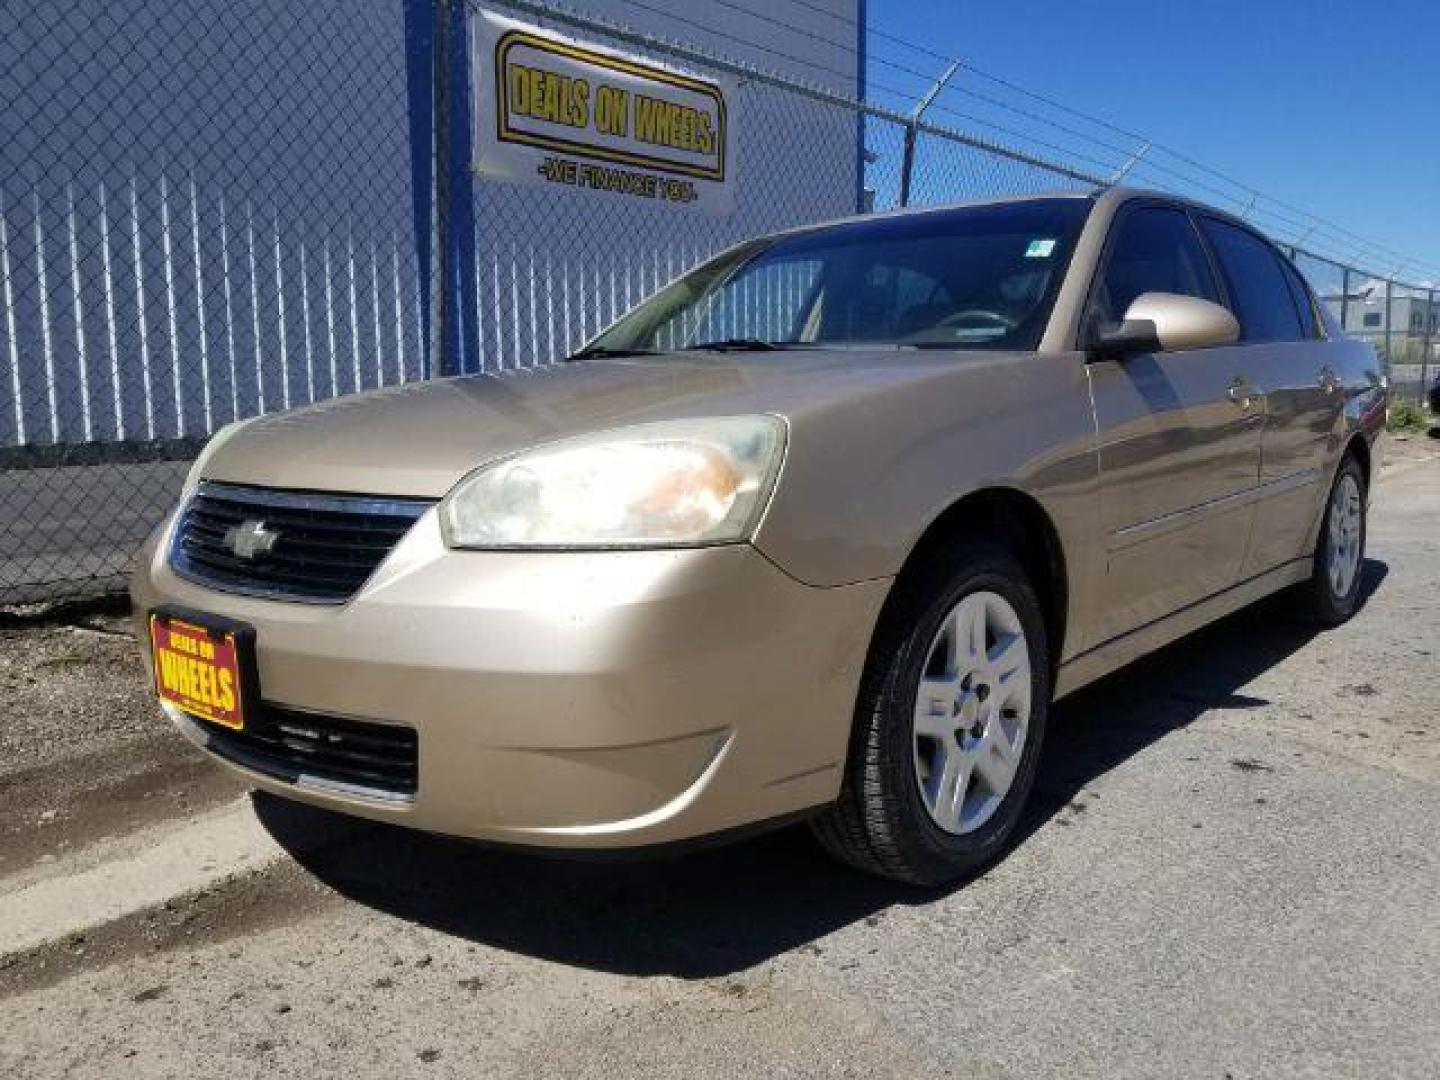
[{"x": 198, "y": 669}]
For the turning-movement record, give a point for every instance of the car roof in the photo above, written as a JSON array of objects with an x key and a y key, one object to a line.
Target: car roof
[
  {"x": 1107, "y": 196},
  {"x": 1117, "y": 194}
]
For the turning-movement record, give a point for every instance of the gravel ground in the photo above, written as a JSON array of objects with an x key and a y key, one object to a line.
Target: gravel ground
[
  {"x": 84, "y": 752},
  {"x": 1230, "y": 871},
  {"x": 69, "y": 689}
]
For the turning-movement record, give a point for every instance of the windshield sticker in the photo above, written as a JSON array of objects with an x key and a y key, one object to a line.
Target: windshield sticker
[{"x": 1040, "y": 249}]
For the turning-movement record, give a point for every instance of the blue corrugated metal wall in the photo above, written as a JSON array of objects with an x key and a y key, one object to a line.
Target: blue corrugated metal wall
[{"x": 208, "y": 210}]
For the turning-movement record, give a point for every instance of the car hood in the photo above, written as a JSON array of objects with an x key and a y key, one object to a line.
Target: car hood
[{"x": 419, "y": 439}]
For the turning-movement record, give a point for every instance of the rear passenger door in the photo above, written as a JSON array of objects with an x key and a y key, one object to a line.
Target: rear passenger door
[
  {"x": 1280, "y": 330},
  {"x": 1179, "y": 433}
]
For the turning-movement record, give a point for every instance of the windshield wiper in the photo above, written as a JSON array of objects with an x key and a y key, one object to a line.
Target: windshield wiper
[
  {"x": 739, "y": 344},
  {"x": 601, "y": 352}
]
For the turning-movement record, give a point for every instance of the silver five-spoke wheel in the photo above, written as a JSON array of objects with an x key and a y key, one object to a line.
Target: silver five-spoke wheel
[
  {"x": 1343, "y": 557},
  {"x": 950, "y": 720},
  {"x": 972, "y": 711}
]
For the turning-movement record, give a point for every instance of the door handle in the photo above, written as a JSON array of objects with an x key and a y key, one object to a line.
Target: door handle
[
  {"x": 1241, "y": 392},
  {"x": 1329, "y": 381}
]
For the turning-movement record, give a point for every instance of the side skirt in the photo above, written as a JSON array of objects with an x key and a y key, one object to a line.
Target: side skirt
[{"x": 1117, "y": 652}]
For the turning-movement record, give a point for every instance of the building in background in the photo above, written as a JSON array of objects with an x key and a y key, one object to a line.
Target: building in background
[
  {"x": 210, "y": 210},
  {"x": 1365, "y": 310},
  {"x": 1404, "y": 328}
]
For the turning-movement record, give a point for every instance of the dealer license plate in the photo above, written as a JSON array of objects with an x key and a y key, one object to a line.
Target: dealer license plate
[{"x": 199, "y": 668}]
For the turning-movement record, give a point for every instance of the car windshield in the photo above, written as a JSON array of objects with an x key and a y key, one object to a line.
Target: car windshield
[{"x": 981, "y": 277}]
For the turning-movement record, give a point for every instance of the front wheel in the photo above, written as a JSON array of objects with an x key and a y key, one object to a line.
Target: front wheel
[
  {"x": 1333, "y": 592},
  {"x": 949, "y": 724}
]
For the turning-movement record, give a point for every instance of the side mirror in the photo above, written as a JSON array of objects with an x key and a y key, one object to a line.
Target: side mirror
[{"x": 1165, "y": 322}]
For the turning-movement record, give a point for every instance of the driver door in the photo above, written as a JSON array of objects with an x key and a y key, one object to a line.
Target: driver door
[{"x": 1179, "y": 434}]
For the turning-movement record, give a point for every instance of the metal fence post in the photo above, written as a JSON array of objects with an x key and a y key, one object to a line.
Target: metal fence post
[
  {"x": 1389, "y": 311},
  {"x": 907, "y": 164},
  {"x": 442, "y": 333},
  {"x": 1124, "y": 170},
  {"x": 1425, "y": 346},
  {"x": 912, "y": 131}
]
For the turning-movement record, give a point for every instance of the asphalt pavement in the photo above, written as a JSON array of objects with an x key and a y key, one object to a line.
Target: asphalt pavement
[{"x": 74, "y": 530}]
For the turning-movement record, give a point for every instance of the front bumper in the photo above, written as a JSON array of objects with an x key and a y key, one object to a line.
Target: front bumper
[{"x": 575, "y": 699}]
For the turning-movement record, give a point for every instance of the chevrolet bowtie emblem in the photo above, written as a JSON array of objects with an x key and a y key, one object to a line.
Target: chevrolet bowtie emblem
[{"x": 251, "y": 540}]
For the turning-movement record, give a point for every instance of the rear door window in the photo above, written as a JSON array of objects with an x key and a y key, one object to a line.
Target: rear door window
[{"x": 1259, "y": 293}]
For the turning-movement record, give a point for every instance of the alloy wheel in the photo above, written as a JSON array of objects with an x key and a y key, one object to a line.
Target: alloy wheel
[
  {"x": 972, "y": 712},
  {"x": 1343, "y": 556}
]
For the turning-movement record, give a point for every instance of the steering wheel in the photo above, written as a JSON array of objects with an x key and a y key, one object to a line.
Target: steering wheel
[{"x": 978, "y": 318}]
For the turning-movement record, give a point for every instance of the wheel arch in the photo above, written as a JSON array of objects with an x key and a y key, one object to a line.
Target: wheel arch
[
  {"x": 1358, "y": 447},
  {"x": 1017, "y": 521}
]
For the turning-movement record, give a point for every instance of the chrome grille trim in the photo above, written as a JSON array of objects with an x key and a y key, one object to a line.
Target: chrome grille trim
[
  {"x": 329, "y": 545},
  {"x": 317, "y": 760}
]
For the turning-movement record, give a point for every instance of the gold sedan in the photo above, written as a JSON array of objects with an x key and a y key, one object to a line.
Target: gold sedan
[{"x": 819, "y": 530}]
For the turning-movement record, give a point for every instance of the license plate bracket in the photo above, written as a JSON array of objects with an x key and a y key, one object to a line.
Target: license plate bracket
[{"x": 204, "y": 665}]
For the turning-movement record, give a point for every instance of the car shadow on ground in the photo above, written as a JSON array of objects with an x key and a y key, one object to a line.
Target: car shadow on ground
[{"x": 714, "y": 912}]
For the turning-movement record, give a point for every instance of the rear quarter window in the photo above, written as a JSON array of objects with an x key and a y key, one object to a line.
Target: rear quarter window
[{"x": 1304, "y": 300}]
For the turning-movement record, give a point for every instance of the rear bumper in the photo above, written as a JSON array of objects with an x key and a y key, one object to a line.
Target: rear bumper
[{"x": 568, "y": 699}]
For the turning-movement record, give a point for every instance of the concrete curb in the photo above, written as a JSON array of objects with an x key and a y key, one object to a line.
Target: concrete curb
[{"x": 142, "y": 871}]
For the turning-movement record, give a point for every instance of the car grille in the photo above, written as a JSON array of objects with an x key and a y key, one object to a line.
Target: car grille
[
  {"x": 325, "y": 546},
  {"x": 374, "y": 760}
]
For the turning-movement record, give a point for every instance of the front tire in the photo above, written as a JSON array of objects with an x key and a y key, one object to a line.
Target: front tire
[
  {"x": 949, "y": 723},
  {"x": 1333, "y": 592}
]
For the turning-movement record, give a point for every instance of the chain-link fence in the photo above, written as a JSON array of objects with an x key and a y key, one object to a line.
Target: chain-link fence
[
  {"x": 207, "y": 211},
  {"x": 547, "y": 269},
  {"x": 212, "y": 210},
  {"x": 228, "y": 235}
]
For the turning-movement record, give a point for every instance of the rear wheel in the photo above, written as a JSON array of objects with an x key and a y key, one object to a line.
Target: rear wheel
[
  {"x": 1333, "y": 592},
  {"x": 949, "y": 724}
]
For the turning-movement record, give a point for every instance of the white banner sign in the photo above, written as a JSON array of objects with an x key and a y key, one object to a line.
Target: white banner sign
[{"x": 549, "y": 110}]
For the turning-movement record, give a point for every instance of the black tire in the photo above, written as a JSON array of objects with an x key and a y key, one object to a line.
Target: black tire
[
  {"x": 880, "y": 824},
  {"x": 1317, "y": 599}
]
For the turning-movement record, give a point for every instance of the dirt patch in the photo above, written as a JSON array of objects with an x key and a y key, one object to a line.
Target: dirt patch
[
  {"x": 1401, "y": 451},
  {"x": 49, "y": 810},
  {"x": 70, "y": 689},
  {"x": 248, "y": 904},
  {"x": 1250, "y": 765},
  {"x": 85, "y": 753}
]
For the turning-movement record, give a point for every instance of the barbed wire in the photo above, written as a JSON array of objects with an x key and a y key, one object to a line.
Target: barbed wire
[{"x": 1298, "y": 224}]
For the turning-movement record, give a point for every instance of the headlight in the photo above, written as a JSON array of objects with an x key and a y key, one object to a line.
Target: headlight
[{"x": 678, "y": 483}]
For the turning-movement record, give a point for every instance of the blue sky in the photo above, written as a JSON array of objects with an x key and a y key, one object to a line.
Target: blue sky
[{"x": 1333, "y": 107}]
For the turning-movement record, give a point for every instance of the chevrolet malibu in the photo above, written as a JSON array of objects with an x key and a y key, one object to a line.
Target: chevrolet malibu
[{"x": 818, "y": 531}]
